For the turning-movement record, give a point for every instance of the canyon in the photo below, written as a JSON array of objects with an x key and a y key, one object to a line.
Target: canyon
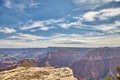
[{"x": 86, "y": 63}]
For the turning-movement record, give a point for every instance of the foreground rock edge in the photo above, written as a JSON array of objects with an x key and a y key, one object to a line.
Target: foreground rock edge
[{"x": 38, "y": 73}]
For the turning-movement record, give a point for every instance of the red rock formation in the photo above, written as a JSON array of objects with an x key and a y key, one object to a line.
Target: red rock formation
[
  {"x": 62, "y": 57},
  {"x": 97, "y": 63}
]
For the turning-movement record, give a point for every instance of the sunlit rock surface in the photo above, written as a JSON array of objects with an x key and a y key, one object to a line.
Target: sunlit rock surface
[{"x": 36, "y": 73}]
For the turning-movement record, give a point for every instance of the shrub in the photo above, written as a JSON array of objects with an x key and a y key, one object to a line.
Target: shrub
[{"x": 27, "y": 64}]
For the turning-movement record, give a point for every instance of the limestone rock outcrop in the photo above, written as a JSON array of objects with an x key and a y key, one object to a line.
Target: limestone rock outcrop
[{"x": 36, "y": 73}]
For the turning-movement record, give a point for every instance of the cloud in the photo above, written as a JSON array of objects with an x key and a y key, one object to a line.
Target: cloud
[
  {"x": 7, "y": 30},
  {"x": 42, "y": 25},
  {"x": 21, "y": 36},
  {"x": 109, "y": 28},
  {"x": 111, "y": 40},
  {"x": 32, "y": 24},
  {"x": 117, "y": 0},
  {"x": 91, "y": 1},
  {"x": 46, "y": 28},
  {"x": 67, "y": 39},
  {"x": 89, "y": 4},
  {"x": 103, "y": 14},
  {"x": 54, "y": 21},
  {"x": 21, "y": 44},
  {"x": 63, "y": 40},
  {"x": 76, "y": 24},
  {"x": 90, "y": 16},
  {"x": 93, "y": 34},
  {"x": 71, "y": 42},
  {"x": 20, "y": 4},
  {"x": 8, "y": 3},
  {"x": 108, "y": 13}
]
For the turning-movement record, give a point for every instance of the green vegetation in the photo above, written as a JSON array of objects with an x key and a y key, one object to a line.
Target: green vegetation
[
  {"x": 117, "y": 75},
  {"x": 108, "y": 78}
]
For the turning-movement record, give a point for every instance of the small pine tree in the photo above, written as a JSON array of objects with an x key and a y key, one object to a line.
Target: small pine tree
[
  {"x": 118, "y": 73},
  {"x": 108, "y": 78},
  {"x": 117, "y": 76}
]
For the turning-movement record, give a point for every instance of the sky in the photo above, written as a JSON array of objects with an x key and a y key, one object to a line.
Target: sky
[{"x": 59, "y": 23}]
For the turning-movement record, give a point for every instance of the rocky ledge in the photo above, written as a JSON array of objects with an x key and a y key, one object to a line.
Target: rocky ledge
[{"x": 36, "y": 73}]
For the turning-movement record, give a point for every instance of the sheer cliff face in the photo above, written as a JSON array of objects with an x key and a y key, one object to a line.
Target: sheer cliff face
[
  {"x": 97, "y": 63},
  {"x": 36, "y": 73},
  {"x": 62, "y": 57}
]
